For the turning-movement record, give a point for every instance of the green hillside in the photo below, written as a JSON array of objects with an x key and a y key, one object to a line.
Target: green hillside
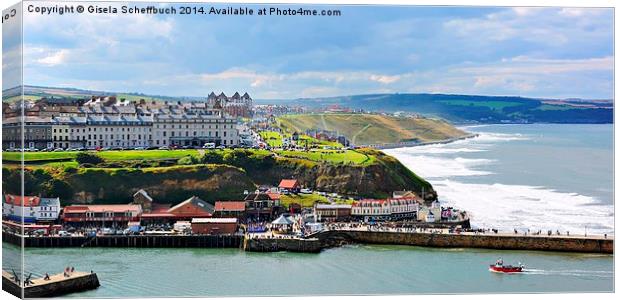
[{"x": 367, "y": 129}]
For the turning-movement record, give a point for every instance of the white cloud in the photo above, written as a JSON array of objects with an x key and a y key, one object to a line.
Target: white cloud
[{"x": 55, "y": 58}]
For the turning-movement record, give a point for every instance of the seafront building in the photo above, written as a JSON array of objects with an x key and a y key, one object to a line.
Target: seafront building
[
  {"x": 107, "y": 122},
  {"x": 30, "y": 209}
]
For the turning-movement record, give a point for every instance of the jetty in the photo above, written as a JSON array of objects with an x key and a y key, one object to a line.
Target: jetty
[{"x": 55, "y": 285}]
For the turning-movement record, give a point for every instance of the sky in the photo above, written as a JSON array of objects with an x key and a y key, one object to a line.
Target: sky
[{"x": 530, "y": 52}]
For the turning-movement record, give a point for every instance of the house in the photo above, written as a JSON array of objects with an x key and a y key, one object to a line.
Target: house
[
  {"x": 403, "y": 208},
  {"x": 214, "y": 225},
  {"x": 101, "y": 214},
  {"x": 260, "y": 206},
  {"x": 332, "y": 212},
  {"x": 371, "y": 209},
  {"x": 161, "y": 213},
  {"x": 193, "y": 207},
  {"x": 289, "y": 185},
  {"x": 143, "y": 199},
  {"x": 230, "y": 209},
  {"x": 30, "y": 209}
]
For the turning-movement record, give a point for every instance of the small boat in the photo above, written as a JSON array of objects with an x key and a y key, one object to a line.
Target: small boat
[{"x": 499, "y": 267}]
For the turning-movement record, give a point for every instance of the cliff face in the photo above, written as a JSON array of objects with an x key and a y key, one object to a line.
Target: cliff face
[
  {"x": 377, "y": 180},
  {"x": 217, "y": 181}
]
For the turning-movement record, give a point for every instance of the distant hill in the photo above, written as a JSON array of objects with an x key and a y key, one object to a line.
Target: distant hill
[
  {"x": 367, "y": 129},
  {"x": 454, "y": 108},
  {"x": 37, "y": 92},
  {"x": 473, "y": 109}
]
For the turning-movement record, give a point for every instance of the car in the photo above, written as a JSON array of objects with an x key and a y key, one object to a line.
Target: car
[
  {"x": 305, "y": 191},
  {"x": 164, "y": 148},
  {"x": 138, "y": 148},
  {"x": 59, "y": 150},
  {"x": 63, "y": 233},
  {"x": 209, "y": 146},
  {"x": 222, "y": 147}
]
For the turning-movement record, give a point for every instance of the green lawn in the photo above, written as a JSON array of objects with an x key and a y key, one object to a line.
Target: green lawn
[
  {"x": 313, "y": 141},
  {"x": 272, "y": 138},
  {"x": 305, "y": 200},
  {"x": 334, "y": 156},
  {"x": 107, "y": 155}
]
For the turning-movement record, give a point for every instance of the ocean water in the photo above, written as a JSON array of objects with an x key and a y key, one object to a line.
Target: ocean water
[
  {"x": 535, "y": 176},
  {"x": 350, "y": 270}
]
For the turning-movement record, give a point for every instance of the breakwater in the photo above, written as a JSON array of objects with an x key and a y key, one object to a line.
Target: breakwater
[
  {"x": 137, "y": 241},
  {"x": 330, "y": 238},
  {"x": 469, "y": 240},
  {"x": 56, "y": 285}
]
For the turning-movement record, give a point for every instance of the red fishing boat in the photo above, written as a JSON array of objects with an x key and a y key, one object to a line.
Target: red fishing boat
[{"x": 499, "y": 267}]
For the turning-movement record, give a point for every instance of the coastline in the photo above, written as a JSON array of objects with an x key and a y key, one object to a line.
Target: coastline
[{"x": 416, "y": 144}]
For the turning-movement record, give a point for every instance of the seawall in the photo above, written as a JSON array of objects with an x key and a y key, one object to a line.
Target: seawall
[
  {"x": 488, "y": 241},
  {"x": 311, "y": 245},
  {"x": 135, "y": 241}
]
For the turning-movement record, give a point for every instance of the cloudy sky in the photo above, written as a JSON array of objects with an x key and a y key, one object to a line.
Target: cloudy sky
[{"x": 536, "y": 52}]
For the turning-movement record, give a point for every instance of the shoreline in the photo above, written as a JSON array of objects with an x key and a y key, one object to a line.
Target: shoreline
[{"x": 416, "y": 144}]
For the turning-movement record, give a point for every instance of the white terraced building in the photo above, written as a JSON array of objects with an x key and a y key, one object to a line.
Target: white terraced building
[{"x": 106, "y": 122}]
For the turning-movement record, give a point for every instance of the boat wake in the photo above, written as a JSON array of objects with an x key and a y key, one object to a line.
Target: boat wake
[{"x": 577, "y": 273}]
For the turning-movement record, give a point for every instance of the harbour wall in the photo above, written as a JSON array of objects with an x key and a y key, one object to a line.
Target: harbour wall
[
  {"x": 331, "y": 238},
  {"x": 488, "y": 241},
  {"x": 311, "y": 245},
  {"x": 135, "y": 241}
]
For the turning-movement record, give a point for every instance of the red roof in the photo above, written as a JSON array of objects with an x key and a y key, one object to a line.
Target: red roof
[
  {"x": 288, "y": 184},
  {"x": 230, "y": 206},
  {"x": 157, "y": 215},
  {"x": 27, "y": 201},
  {"x": 274, "y": 196},
  {"x": 159, "y": 208},
  {"x": 369, "y": 202},
  {"x": 102, "y": 208}
]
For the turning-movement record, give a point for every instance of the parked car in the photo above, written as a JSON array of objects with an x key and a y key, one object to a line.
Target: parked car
[
  {"x": 164, "y": 148},
  {"x": 63, "y": 233}
]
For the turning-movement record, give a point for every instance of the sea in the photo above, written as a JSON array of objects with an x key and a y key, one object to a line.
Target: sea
[
  {"x": 510, "y": 176},
  {"x": 534, "y": 176}
]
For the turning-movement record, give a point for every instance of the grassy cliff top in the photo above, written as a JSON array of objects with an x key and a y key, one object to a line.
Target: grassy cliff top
[{"x": 367, "y": 129}]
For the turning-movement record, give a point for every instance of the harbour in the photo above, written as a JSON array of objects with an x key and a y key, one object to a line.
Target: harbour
[{"x": 346, "y": 270}]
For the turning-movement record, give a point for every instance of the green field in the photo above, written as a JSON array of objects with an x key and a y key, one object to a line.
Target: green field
[
  {"x": 497, "y": 105},
  {"x": 334, "y": 156},
  {"x": 67, "y": 158},
  {"x": 367, "y": 129},
  {"x": 272, "y": 138},
  {"x": 548, "y": 107},
  {"x": 107, "y": 155}
]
